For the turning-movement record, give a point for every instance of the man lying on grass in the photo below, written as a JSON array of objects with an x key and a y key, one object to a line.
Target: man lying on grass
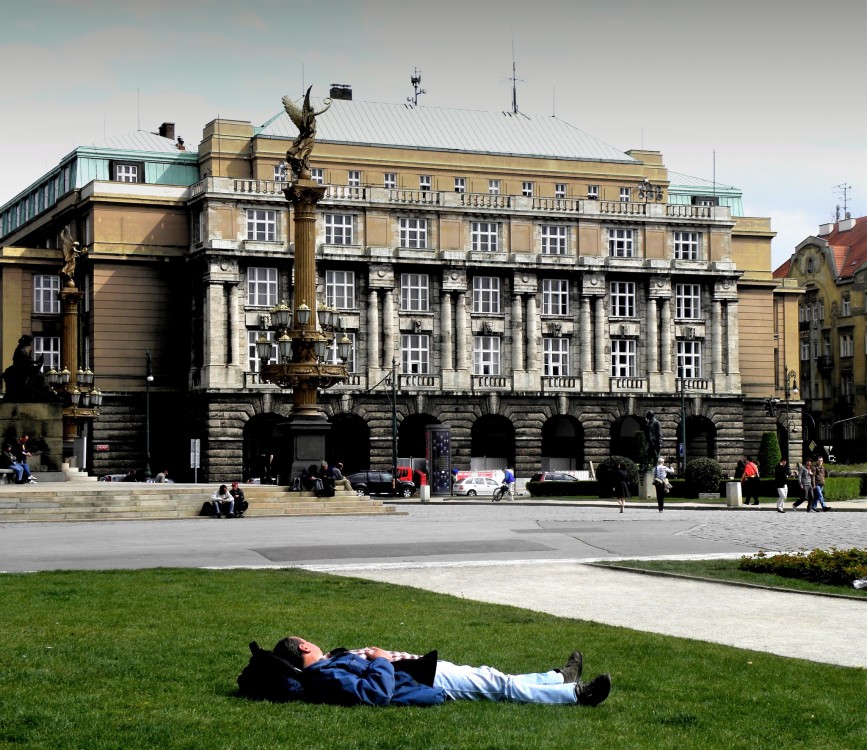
[{"x": 367, "y": 676}]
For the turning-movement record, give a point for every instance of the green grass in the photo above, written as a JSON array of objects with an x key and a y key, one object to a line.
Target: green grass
[
  {"x": 148, "y": 659},
  {"x": 727, "y": 570}
]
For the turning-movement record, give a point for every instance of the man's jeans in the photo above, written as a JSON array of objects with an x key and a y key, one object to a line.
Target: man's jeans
[
  {"x": 819, "y": 495},
  {"x": 489, "y": 684}
]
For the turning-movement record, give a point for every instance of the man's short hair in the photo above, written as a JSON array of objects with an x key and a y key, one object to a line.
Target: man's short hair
[{"x": 287, "y": 649}]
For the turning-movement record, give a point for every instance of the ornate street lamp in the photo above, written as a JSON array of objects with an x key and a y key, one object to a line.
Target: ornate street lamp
[{"x": 649, "y": 192}]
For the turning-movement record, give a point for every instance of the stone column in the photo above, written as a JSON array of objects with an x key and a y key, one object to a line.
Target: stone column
[
  {"x": 517, "y": 340},
  {"x": 532, "y": 326},
  {"x": 599, "y": 334},
  {"x": 388, "y": 326},
  {"x": 732, "y": 338},
  {"x": 652, "y": 337},
  {"x": 235, "y": 344},
  {"x": 461, "y": 332},
  {"x": 716, "y": 336},
  {"x": 586, "y": 339},
  {"x": 373, "y": 358},
  {"x": 448, "y": 357},
  {"x": 665, "y": 324}
]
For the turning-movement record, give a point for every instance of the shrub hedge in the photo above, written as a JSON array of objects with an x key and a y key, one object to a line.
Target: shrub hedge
[
  {"x": 703, "y": 475},
  {"x": 837, "y": 567}
]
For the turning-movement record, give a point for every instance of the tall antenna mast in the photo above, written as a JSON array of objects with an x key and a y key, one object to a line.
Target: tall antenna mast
[
  {"x": 514, "y": 81},
  {"x": 844, "y": 188},
  {"x": 415, "y": 80}
]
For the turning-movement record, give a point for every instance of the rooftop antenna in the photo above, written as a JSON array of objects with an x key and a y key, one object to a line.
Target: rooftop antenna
[
  {"x": 843, "y": 188},
  {"x": 138, "y": 107},
  {"x": 514, "y": 80},
  {"x": 415, "y": 80},
  {"x": 554, "y": 102},
  {"x": 302, "y": 79}
]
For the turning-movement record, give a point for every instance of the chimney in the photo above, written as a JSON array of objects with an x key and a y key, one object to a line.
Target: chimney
[
  {"x": 341, "y": 91},
  {"x": 167, "y": 130}
]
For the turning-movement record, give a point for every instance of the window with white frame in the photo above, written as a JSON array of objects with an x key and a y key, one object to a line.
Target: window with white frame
[
  {"x": 805, "y": 350},
  {"x": 46, "y": 287},
  {"x": 414, "y": 292},
  {"x": 485, "y": 236},
  {"x": 554, "y": 239},
  {"x": 460, "y": 184},
  {"x": 338, "y": 229},
  {"x": 126, "y": 172},
  {"x": 623, "y": 358},
  {"x": 620, "y": 243},
  {"x": 261, "y": 287},
  {"x": 625, "y": 194},
  {"x": 815, "y": 349},
  {"x": 199, "y": 227},
  {"x": 555, "y": 356},
  {"x": 689, "y": 359},
  {"x": 332, "y": 354},
  {"x": 686, "y": 245},
  {"x": 555, "y": 296},
  {"x": 819, "y": 311},
  {"x": 845, "y": 307},
  {"x": 317, "y": 174},
  {"x": 261, "y": 225},
  {"x": 47, "y": 347},
  {"x": 622, "y": 299},
  {"x": 389, "y": 180},
  {"x": 486, "y": 294},
  {"x": 687, "y": 305},
  {"x": 560, "y": 190},
  {"x": 486, "y": 355},
  {"x": 593, "y": 192},
  {"x": 415, "y": 353},
  {"x": 340, "y": 289},
  {"x": 254, "y": 364},
  {"x": 425, "y": 182},
  {"x": 354, "y": 178},
  {"x": 413, "y": 232},
  {"x": 527, "y": 189},
  {"x": 280, "y": 172},
  {"x": 826, "y": 345},
  {"x": 494, "y": 187},
  {"x": 847, "y": 345}
]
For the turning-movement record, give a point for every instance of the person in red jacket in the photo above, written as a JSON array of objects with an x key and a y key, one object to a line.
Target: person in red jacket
[{"x": 750, "y": 481}]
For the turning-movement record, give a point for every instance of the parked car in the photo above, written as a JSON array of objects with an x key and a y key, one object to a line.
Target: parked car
[
  {"x": 380, "y": 483},
  {"x": 472, "y": 486},
  {"x": 552, "y": 476}
]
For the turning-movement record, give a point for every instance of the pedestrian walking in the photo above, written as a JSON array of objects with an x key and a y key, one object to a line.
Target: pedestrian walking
[
  {"x": 660, "y": 482},
  {"x": 805, "y": 481},
  {"x": 622, "y": 486},
  {"x": 820, "y": 473},
  {"x": 750, "y": 481},
  {"x": 781, "y": 482}
]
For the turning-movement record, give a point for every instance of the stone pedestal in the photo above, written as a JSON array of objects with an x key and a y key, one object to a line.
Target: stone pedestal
[
  {"x": 733, "y": 494},
  {"x": 646, "y": 490},
  {"x": 302, "y": 443}
]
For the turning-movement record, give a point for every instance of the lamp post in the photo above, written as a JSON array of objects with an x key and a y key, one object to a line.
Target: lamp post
[
  {"x": 149, "y": 378},
  {"x": 790, "y": 388},
  {"x": 683, "y": 425}
]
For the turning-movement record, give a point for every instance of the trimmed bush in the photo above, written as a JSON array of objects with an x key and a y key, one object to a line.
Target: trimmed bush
[
  {"x": 842, "y": 488},
  {"x": 606, "y": 475},
  {"x": 703, "y": 475},
  {"x": 769, "y": 454},
  {"x": 837, "y": 567}
]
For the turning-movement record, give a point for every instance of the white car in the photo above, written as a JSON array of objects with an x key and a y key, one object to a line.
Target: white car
[{"x": 472, "y": 486}]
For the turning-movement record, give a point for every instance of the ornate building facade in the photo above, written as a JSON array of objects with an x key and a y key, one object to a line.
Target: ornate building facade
[{"x": 508, "y": 276}]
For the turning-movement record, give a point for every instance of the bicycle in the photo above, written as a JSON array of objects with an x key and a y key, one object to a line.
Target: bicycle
[{"x": 503, "y": 489}]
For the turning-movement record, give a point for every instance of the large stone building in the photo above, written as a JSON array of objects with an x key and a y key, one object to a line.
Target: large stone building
[
  {"x": 832, "y": 269},
  {"x": 536, "y": 291}
]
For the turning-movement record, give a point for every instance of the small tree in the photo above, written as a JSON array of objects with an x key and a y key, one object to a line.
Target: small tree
[
  {"x": 606, "y": 474},
  {"x": 703, "y": 475},
  {"x": 769, "y": 454}
]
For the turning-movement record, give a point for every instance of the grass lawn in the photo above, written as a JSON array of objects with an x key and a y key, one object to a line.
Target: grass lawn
[
  {"x": 148, "y": 659},
  {"x": 727, "y": 570}
]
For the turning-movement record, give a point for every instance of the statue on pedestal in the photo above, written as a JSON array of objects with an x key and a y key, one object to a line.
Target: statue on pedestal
[
  {"x": 653, "y": 432},
  {"x": 304, "y": 119},
  {"x": 71, "y": 253},
  {"x": 24, "y": 379}
]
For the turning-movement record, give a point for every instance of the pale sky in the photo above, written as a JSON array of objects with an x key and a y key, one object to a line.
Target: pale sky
[{"x": 776, "y": 88}]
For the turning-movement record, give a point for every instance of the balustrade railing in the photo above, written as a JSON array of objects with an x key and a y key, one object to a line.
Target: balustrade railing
[
  {"x": 415, "y": 382},
  {"x": 623, "y": 208},
  {"x": 561, "y": 383},
  {"x": 693, "y": 384},
  {"x": 683, "y": 211},
  {"x": 490, "y": 382},
  {"x": 628, "y": 384}
]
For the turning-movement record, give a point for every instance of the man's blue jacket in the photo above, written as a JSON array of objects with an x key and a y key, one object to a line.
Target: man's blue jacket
[{"x": 350, "y": 680}]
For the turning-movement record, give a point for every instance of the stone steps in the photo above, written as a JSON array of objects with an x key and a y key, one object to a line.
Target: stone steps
[{"x": 115, "y": 501}]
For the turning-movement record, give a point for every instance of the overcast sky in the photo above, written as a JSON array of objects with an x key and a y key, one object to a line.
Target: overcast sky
[{"x": 777, "y": 88}]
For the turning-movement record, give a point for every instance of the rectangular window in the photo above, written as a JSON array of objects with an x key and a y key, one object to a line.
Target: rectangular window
[
  {"x": 414, "y": 292},
  {"x": 623, "y": 358},
  {"x": 338, "y": 229},
  {"x": 494, "y": 187},
  {"x": 687, "y": 301},
  {"x": 553, "y": 239},
  {"x": 527, "y": 189},
  {"x": 413, "y": 232},
  {"x": 486, "y": 355},
  {"x": 389, "y": 180},
  {"x": 485, "y": 236},
  {"x": 805, "y": 350},
  {"x": 45, "y": 290},
  {"x": 280, "y": 174},
  {"x": 620, "y": 243},
  {"x": 261, "y": 287},
  {"x": 625, "y": 194},
  {"x": 622, "y": 299},
  {"x": 486, "y": 294},
  {"x": 261, "y": 225},
  {"x": 199, "y": 227},
  {"x": 47, "y": 347},
  {"x": 332, "y": 355},
  {"x": 425, "y": 181},
  {"x": 689, "y": 359},
  {"x": 593, "y": 192},
  {"x": 126, "y": 173},
  {"x": 560, "y": 190},
  {"x": 460, "y": 184},
  {"x": 845, "y": 307},
  {"x": 847, "y": 345},
  {"x": 415, "y": 354},
  {"x": 317, "y": 175},
  {"x": 556, "y": 356},
  {"x": 555, "y": 297},
  {"x": 686, "y": 245},
  {"x": 254, "y": 364},
  {"x": 354, "y": 178},
  {"x": 340, "y": 289}
]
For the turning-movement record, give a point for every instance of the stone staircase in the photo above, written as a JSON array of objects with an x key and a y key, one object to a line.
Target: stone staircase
[{"x": 115, "y": 501}]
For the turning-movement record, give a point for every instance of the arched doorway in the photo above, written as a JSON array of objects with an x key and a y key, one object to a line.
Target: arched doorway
[
  {"x": 562, "y": 444},
  {"x": 492, "y": 444},
  {"x": 348, "y": 442},
  {"x": 411, "y": 440},
  {"x": 700, "y": 438},
  {"x": 263, "y": 437},
  {"x": 627, "y": 438}
]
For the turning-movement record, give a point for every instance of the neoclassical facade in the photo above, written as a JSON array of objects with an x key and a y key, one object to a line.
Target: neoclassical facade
[{"x": 507, "y": 276}]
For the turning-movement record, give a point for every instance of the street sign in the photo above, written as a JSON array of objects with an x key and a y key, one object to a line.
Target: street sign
[{"x": 195, "y": 450}]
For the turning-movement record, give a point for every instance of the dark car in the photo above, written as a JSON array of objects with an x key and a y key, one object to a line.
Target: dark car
[
  {"x": 380, "y": 483},
  {"x": 553, "y": 476}
]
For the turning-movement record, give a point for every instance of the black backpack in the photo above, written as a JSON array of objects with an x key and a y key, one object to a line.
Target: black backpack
[{"x": 267, "y": 677}]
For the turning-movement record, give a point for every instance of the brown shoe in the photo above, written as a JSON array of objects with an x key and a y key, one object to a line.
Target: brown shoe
[
  {"x": 572, "y": 671},
  {"x": 594, "y": 692}
]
